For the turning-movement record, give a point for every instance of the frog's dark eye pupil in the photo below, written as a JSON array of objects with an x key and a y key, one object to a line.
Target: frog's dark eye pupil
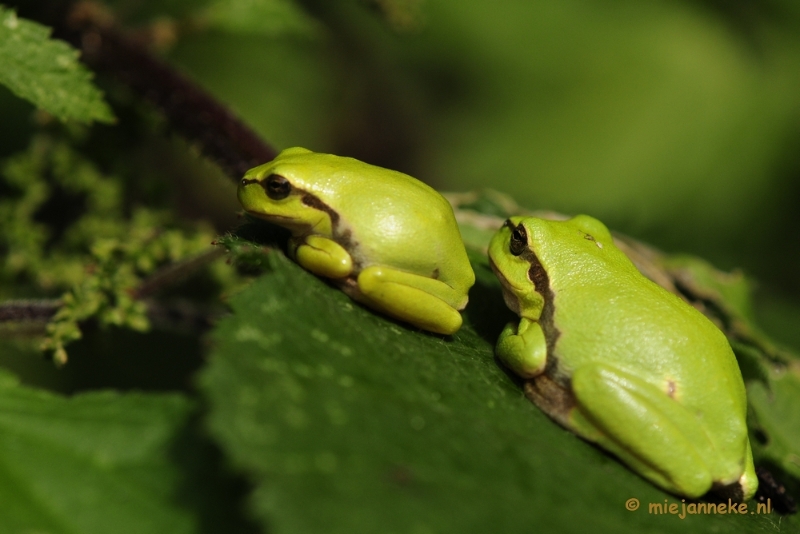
[
  {"x": 519, "y": 240},
  {"x": 277, "y": 187}
]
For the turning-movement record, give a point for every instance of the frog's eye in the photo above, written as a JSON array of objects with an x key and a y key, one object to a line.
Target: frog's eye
[
  {"x": 519, "y": 240},
  {"x": 277, "y": 187}
]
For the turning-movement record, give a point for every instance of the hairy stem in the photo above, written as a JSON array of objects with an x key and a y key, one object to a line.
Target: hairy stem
[{"x": 189, "y": 109}]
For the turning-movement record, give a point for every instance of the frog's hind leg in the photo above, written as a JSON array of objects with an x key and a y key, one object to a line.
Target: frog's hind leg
[
  {"x": 656, "y": 436},
  {"x": 425, "y": 302}
]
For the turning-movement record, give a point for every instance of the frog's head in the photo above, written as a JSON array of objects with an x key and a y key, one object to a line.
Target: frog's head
[
  {"x": 284, "y": 191},
  {"x": 511, "y": 258},
  {"x": 528, "y": 253}
]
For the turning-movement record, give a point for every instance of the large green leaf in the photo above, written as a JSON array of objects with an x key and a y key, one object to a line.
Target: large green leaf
[
  {"x": 348, "y": 422},
  {"x": 776, "y": 411},
  {"x": 46, "y": 71},
  {"x": 93, "y": 463}
]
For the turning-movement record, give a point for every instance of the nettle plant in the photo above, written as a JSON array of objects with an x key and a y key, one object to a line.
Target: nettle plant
[{"x": 282, "y": 405}]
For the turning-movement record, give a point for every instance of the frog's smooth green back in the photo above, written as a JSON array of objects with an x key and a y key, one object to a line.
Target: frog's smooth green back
[
  {"x": 607, "y": 311},
  {"x": 393, "y": 219}
]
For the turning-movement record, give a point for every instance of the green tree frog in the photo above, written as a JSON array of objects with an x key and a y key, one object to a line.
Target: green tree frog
[
  {"x": 386, "y": 239},
  {"x": 620, "y": 361}
]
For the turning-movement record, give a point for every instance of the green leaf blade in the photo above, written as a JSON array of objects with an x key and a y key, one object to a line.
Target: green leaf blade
[
  {"x": 93, "y": 463},
  {"x": 347, "y": 422},
  {"x": 46, "y": 72}
]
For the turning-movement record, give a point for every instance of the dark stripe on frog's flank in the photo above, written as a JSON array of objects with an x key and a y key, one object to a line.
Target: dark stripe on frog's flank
[
  {"x": 541, "y": 282},
  {"x": 344, "y": 238},
  {"x": 314, "y": 202},
  {"x": 552, "y": 390},
  {"x": 552, "y": 397}
]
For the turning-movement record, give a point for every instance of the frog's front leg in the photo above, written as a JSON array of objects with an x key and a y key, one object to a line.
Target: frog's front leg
[
  {"x": 425, "y": 302},
  {"x": 522, "y": 348},
  {"x": 647, "y": 429},
  {"x": 322, "y": 256}
]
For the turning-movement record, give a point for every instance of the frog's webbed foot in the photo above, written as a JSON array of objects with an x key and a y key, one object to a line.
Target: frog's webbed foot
[
  {"x": 322, "y": 256},
  {"x": 522, "y": 348},
  {"x": 657, "y": 436},
  {"x": 424, "y": 302}
]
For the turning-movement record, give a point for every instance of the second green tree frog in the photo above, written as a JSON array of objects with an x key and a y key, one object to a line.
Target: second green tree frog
[
  {"x": 619, "y": 360},
  {"x": 388, "y": 240}
]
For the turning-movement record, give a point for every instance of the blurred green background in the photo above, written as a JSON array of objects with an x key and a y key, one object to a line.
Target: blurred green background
[{"x": 676, "y": 122}]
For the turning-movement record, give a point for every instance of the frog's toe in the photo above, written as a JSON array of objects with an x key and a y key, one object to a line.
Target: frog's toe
[
  {"x": 446, "y": 324},
  {"x": 748, "y": 485},
  {"x": 409, "y": 298},
  {"x": 749, "y": 480}
]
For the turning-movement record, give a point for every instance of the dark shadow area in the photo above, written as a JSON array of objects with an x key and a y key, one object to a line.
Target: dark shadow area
[
  {"x": 750, "y": 363},
  {"x": 113, "y": 358},
  {"x": 209, "y": 489},
  {"x": 776, "y": 488},
  {"x": 123, "y": 359},
  {"x": 486, "y": 312}
]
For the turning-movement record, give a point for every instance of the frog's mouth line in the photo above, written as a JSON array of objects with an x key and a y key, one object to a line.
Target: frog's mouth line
[
  {"x": 500, "y": 276},
  {"x": 266, "y": 216}
]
